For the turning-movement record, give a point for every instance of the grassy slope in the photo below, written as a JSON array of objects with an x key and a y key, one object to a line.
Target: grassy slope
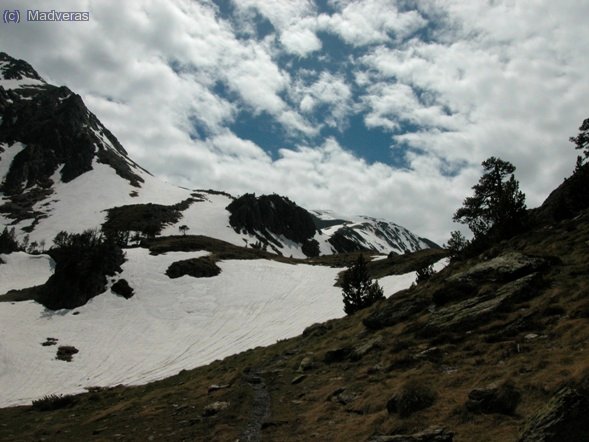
[{"x": 172, "y": 409}]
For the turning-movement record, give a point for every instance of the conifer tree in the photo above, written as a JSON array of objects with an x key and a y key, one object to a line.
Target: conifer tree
[
  {"x": 497, "y": 203},
  {"x": 359, "y": 291}
]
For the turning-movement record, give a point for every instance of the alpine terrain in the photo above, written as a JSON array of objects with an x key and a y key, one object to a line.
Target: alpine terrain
[
  {"x": 196, "y": 315},
  {"x": 139, "y": 279}
]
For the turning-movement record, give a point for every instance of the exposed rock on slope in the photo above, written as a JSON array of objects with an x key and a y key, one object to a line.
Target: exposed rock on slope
[{"x": 270, "y": 215}]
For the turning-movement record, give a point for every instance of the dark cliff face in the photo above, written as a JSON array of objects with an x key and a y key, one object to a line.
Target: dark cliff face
[
  {"x": 57, "y": 132},
  {"x": 271, "y": 214},
  {"x": 566, "y": 200},
  {"x": 17, "y": 69}
]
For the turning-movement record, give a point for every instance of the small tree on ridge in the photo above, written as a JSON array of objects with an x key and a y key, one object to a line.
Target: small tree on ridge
[
  {"x": 497, "y": 203},
  {"x": 359, "y": 291}
]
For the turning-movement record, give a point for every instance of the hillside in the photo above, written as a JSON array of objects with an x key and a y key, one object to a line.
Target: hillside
[{"x": 493, "y": 348}]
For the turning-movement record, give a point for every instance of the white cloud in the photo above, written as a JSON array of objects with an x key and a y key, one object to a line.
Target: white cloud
[
  {"x": 327, "y": 90},
  {"x": 366, "y": 22},
  {"x": 492, "y": 78}
]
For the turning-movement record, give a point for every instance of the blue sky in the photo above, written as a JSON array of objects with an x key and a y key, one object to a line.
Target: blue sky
[{"x": 377, "y": 107}]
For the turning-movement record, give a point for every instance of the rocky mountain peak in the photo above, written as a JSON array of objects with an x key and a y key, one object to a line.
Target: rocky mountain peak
[{"x": 14, "y": 69}]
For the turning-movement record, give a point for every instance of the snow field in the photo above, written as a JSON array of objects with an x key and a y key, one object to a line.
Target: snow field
[{"x": 169, "y": 325}]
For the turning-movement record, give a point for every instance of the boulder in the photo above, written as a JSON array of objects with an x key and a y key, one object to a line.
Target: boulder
[
  {"x": 473, "y": 312},
  {"x": 501, "y": 399},
  {"x": 504, "y": 268},
  {"x": 364, "y": 348},
  {"x": 564, "y": 418},
  {"x": 214, "y": 408},
  {"x": 429, "y": 435},
  {"x": 122, "y": 288}
]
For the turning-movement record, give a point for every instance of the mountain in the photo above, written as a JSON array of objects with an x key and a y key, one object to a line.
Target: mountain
[
  {"x": 491, "y": 348},
  {"x": 61, "y": 169},
  {"x": 174, "y": 278}
]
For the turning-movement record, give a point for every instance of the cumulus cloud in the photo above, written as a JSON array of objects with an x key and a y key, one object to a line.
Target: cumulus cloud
[{"x": 455, "y": 81}]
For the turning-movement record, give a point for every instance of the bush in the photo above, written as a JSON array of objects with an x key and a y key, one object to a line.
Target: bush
[
  {"x": 456, "y": 245},
  {"x": 414, "y": 396},
  {"x": 53, "y": 402},
  {"x": 66, "y": 352},
  {"x": 424, "y": 273},
  {"x": 83, "y": 261},
  {"x": 359, "y": 291},
  {"x": 8, "y": 242}
]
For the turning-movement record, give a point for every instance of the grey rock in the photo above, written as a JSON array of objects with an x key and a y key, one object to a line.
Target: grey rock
[
  {"x": 298, "y": 379},
  {"x": 361, "y": 350},
  {"x": 216, "y": 387},
  {"x": 564, "y": 418},
  {"x": 215, "y": 408},
  {"x": 429, "y": 435},
  {"x": 473, "y": 312},
  {"x": 504, "y": 268},
  {"x": 306, "y": 364}
]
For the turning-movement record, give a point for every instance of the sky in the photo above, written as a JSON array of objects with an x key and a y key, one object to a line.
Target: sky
[{"x": 383, "y": 108}]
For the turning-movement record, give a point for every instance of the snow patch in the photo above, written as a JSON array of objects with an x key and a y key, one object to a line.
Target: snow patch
[{"x": 22, "y": 270}]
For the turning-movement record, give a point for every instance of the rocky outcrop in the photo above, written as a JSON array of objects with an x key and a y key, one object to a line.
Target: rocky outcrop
[
  {"x": 394, "y": 310},
  {"x": 122, "y": 288},
  {"x": 502, "y": 399},
  {"x": 475, "y": 311},
  {"x": 270, "y": 215},
  {"x": 506, "y": 267},
  {"x": 203, "y": 267},
  {"x": 564, "y": 418},
  {"x": 567, "y": 200}
]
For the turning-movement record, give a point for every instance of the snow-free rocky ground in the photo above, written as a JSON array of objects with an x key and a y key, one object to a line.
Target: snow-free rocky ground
[{"x": 169, "y": 325}]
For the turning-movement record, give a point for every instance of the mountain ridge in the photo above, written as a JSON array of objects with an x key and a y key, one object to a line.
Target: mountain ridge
[{"x": 55, "y": 146}]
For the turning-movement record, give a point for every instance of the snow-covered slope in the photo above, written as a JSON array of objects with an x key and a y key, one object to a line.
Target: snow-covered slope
[
  {"x": 169, "y": 325},
  {"x": 344, "y": 232}
]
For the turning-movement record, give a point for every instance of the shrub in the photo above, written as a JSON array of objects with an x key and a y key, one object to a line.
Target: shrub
[
  {"x": 66, "y": 352},
  {"x": 8, "y": 242},
  {"x": 456, "y": 245},
  {"x": 359, "y": 291},
  {"x": 83, "y": 261},
  {"x": 581, "y": 142},
  {"x": 53, "y": 402},
  {"x": 424, "y": 273},
  {"x": 414, "y": 396}
]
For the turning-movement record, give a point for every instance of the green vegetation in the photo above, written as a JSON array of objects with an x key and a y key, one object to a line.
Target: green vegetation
[
  {"x": 581, "y": 142},
  {"x": 497, "y": 205},
  {"x": 359, "y": 291}
]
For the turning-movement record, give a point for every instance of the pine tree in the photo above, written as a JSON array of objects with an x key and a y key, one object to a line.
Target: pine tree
[
  {"x": 497, "y": 203},
  {"x": 581, "y": 142},
  {"x": 358, "y": 289}
]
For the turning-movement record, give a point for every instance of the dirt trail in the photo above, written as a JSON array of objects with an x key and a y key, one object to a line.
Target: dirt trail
[{"x": 260, "y": 410}]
